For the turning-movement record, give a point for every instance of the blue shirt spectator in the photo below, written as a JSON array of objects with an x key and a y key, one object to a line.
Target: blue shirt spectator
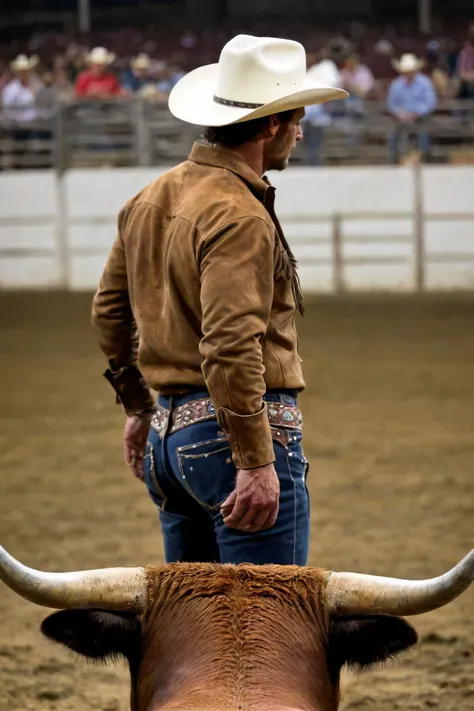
[
  {"x": 137, "y": 76},
  {"x": 412, "y": 94},
  {"x": 133, "y": 83},
  {"x": 411, "y": 98}
]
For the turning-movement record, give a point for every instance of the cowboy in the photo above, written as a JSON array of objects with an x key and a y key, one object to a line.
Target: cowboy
[
  {"x": 411, "y": 99},
  {"x": 98, "y": 82},
  {"x": 22, "y": 113},
  {"x": 19, "y": 95},
  {"x": 198, "y": 300},
  {"x": 137, "y": 77}
]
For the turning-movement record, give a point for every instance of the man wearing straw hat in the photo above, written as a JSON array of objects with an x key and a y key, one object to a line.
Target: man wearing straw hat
[
  {"x": 198, "y": 301},
  {"x": 98, "y": 82},
  {"x": 19, "y": 99},
  {"x": 411, "y": 99},
  {"x": 19, "y": 95},
  {"x": 137, "y": 77}
]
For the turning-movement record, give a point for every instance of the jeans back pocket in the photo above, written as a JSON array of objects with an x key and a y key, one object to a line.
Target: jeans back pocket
[{"x": 207, "y": 471}]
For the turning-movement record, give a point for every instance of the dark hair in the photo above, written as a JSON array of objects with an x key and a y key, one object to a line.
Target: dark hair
[{"x": 236, "y": 134}]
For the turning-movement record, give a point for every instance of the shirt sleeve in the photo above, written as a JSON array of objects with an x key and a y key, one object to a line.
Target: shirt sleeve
[
  {"x": 428, "y": 102},
  {"x": 114, "y": 322},
  {"x": 237, "y": 282}
]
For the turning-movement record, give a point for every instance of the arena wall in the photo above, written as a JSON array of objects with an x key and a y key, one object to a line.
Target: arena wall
[{"x": 367, "y": 228}]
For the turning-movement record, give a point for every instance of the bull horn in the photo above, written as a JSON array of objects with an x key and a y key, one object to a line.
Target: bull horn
[
  {"x": 107, "y": 589},
  {"x": 355, "y": 594}
]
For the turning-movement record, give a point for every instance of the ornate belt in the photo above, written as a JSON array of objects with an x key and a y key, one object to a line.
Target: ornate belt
[{"x": 169, "y": 421}]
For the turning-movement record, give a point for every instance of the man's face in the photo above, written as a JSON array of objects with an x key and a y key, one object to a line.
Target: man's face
[
  {"x": 281, "y": 145},
  {"x": 141, "y": 72},
  {"x": 98, "y": 70},
  {"x": 24, "y": 76}
]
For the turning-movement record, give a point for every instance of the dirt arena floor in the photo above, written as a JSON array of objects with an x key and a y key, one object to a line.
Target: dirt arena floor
[{"x": 389, "y": 431}]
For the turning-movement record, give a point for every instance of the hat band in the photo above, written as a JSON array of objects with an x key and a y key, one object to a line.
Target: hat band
[{"x": 237, "y": 104}]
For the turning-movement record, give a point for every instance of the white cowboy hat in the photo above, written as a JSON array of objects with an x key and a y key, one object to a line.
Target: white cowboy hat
[
  {"x": 255, "y": 77},
  {"x": 99, "y": 55},
  {"x": 408, "y": 63},
  {"x": 141, "y": 61},
  {"x": 23, "y": 63}
]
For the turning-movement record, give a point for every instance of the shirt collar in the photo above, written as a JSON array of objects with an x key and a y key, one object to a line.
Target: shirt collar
[{"x": 206, "y": 154}]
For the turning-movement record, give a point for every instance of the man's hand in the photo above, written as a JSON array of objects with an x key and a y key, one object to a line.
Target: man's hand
[
  {"x": 405, "y": 116},
  {"x": 253, "y": 505},
  {"x": 134, "y": 442}
]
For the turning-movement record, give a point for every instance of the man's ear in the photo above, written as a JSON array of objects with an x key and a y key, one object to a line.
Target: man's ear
[
  {"x": 273, "y": 125},
  {"x": 95, "y": 634},
  {"x": 361, "y": 642}
]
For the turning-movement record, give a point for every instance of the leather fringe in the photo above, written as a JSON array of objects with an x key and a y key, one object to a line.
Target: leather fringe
[{"x": 290, "y": 266}]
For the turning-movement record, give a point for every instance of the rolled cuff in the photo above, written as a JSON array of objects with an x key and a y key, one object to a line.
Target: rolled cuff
[
  {"x": 250, "y": 437},
  {"x": 131, "y": 390}
]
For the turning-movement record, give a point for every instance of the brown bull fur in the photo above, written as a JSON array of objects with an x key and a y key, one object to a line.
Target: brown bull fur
[
  {"x": 214, "y": 639},
  {"x": 234, "y": 638}
]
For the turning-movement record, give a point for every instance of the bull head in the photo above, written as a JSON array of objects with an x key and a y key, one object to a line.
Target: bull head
[
  {"x": 347, "y": 619},
  {"x": 126, "y": 589}
]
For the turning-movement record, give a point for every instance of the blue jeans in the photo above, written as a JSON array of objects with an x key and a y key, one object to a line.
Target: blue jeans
[
  {"x": 313, "y": 137},
  {"x": 190, "y": 473},
  {"x": 403, "y": 131}
]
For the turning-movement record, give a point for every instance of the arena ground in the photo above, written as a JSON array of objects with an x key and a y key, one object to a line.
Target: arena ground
[{"x": 389, "y": 431}]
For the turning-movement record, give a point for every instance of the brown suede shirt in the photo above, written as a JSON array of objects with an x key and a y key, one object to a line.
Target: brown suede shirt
[{"x": 198, "y": 270}]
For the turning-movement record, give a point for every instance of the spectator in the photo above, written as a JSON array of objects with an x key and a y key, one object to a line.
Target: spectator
[
  {"x": 19, "y": 95},
  {"x": 170, "y": 75},
  {"x": 19, "y": 100},
  {"x": 411, "y": 99},
  {"x": 98, "y": 82},
  {"x": 317, "y": 117},
  {"x": 384, "y": 47},
  {"x": 325, "y": 68},
  {"x": 356, "y": 78},
  {"x": 138, "y": 75},
  {"x": 465, "y": 67}
]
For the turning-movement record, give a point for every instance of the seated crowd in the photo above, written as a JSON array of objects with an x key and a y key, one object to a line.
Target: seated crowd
[{"x": 410, "y": 87}]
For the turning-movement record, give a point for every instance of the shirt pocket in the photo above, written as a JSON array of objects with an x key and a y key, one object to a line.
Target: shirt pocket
[{"x": 207, "y": 471}]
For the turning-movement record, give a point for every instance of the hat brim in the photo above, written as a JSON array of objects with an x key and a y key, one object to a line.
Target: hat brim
[
  {"x": 28, "y": 66},
  {"x": 404, "y": 69},
  {"x": 103, "y": 61},
  {"x": 192, "y": 100}
]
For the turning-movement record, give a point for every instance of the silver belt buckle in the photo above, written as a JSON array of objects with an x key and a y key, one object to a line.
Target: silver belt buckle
[{"x": 160, "y": 421}]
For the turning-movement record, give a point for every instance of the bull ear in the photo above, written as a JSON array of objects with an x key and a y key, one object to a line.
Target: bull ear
[
  {"x": 95, "y": 634},
  {"x": 360, "y": 642}
]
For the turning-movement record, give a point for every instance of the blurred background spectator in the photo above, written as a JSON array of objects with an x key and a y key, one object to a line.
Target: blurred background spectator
[
  {"x": 411, "y": 100},
  {"x": 465, "y": 67},
  {"x": 98, "y": 82},
  {"x": 19, "y": 94}
]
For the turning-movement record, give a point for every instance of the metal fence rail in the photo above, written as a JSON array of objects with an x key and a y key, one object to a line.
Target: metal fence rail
[{"x": 142, "y": 132}]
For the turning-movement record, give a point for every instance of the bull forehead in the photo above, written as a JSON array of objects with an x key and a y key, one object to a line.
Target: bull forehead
[
  {"x": 208, "y": 579},
  {"x": 228, "y": 633}
]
